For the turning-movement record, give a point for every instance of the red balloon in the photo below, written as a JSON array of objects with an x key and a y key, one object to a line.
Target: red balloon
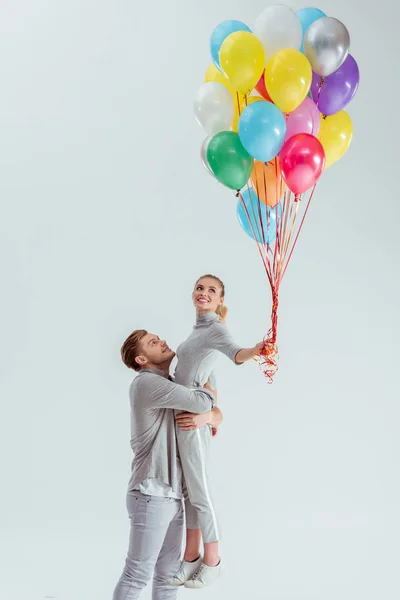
[
  {"x": 302, "y": 161},
  {"x": 262, "y": 90}
]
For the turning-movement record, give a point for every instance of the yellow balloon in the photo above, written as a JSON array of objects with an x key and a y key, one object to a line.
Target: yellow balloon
[
  {"x": 288, "y": 77},
  {"x": 335, "y": 136},
  {"x": 214, "y": 74},
  {"x": 245, "y": 102},
  {"x": 242, "y": 59}
]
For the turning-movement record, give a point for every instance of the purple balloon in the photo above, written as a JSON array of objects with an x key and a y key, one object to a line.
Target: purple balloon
[{"x": 338, "y": 89}]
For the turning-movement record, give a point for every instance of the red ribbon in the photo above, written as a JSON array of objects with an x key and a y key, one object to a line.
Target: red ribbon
[{"x": 275, "y": 259}]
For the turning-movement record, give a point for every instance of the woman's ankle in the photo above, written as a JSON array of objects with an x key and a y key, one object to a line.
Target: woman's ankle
[
  {"x": 191, "y": 556},
  {"x": 192, "y": 549},
  {"x": 211, "y": 554}
]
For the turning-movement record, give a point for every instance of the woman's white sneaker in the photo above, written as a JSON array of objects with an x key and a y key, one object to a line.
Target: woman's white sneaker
[
  {"x": 204, "y": 576},
  {"x": 185, "y": 572}
]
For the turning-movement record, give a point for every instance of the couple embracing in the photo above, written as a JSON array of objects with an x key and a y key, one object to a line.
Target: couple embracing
[{"x": 173, "y": 420}]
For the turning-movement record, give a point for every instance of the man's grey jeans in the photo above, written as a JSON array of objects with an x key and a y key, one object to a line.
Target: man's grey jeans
[{"x": 155, "y": 546}]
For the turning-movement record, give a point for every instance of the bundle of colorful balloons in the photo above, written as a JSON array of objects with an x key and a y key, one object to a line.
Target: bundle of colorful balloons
[
  {"x": 272, "y": 106},
  {"x": 278, "y": 90}
]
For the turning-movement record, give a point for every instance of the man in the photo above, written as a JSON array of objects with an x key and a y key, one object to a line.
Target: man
[{"x": 154, "y": 499}]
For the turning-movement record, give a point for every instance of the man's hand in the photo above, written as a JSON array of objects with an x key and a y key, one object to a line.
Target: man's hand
[{"x": 189, "y": 421}]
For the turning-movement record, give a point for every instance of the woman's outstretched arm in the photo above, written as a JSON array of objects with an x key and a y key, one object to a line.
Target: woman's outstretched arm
[{"x": 246, "y": 354}]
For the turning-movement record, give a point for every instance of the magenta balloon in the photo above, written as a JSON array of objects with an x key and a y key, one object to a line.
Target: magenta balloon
[
  {"x": 338, "y": 89},
  {"x": 302, "y": 160}
]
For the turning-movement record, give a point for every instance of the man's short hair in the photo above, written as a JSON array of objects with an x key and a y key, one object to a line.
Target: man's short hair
[{"x": 132, "y": 348}]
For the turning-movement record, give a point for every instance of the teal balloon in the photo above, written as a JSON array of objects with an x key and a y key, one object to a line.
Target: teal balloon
[
  {"x": 220, "y": 34},
  {"x": 256, "y": 219},
  {"x": 307, "y": 16},
  {"x": 229, "y": 162},
  {"x": 262, "y": 130}
]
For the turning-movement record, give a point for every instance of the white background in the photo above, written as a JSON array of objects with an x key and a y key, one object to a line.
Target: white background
[{"x": 107, "y": 218}]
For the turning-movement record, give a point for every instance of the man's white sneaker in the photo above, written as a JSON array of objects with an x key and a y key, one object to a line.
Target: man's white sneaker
[
  {"x": 185, "y": 572},
  {"x": 204, "y": 576}
]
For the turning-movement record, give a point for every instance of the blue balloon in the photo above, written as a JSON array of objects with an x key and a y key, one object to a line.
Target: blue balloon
[
  {"x": 262, "y": 130},
  {"x": 220, "y": 33},
  {"x": 261, "y": 229},
  {"x": 307, "y": 16}
]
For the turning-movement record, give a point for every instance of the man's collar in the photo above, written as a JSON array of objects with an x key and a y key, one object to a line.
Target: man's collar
[{"x": 156, "y": 372}]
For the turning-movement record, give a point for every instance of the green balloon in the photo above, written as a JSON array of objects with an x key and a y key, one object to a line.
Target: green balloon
[{"x": 228, "y": 160}]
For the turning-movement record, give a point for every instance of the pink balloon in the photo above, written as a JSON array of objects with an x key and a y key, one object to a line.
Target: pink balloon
[
  {"x": 302, "y": 160},
  {"x": 304, "y": 119}
]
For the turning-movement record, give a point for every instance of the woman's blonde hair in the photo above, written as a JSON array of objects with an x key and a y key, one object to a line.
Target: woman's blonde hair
[{"x": 222, "y": 310}]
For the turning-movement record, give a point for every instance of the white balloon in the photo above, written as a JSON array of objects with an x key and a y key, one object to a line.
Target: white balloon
[
  {"x": 278, "y": 27},
  {"x": 203, "y": 155},
  {"x": 214, "y": 108}
]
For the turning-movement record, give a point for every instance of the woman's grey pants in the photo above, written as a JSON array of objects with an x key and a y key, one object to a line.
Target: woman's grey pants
[
  {"x": 155, "y": 546},
  {"x": 194, "y": 449}
]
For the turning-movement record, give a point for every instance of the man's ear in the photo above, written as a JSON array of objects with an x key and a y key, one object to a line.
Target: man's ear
[{"x": 141, "y": 361}]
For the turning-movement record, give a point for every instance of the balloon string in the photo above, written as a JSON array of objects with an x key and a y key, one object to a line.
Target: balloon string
[
  {"x": 269, "y": 353},
  {"x": 277, "y": 241},
  {"x": 321, "y": 83},
  {"x": 275, "y": 259},
  {"x": 288, "y": 207},
  {"x": 293, "y": 214},
  {"x": 238, "y": 103},
  {"x": 264, "y": 258},
  {"x": 298, "y": 231},
  {"x": 259, "y": 222},
  {"x": 264, "y": 239},
  {"x": 268, "y": 356}
]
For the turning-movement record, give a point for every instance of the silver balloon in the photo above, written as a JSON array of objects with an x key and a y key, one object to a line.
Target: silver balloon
[{"x": 326, "y": 45}]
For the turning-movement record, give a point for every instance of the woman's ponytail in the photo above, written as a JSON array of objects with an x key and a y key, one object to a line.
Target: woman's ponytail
[{"x": 222, "y": 312}]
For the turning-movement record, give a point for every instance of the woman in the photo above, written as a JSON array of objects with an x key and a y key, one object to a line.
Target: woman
[{"x": 196, "y": 359}]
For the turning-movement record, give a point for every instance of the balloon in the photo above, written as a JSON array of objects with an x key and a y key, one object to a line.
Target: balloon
[
  {"x": 203, "y": 155},
  {"x": 220, "y": 33},
  {"x": 334, "y": 93},
  {"x": 262, "y": 130},
  {"x": 242, "y": 60},
  {"x": 249, "y": 100},
  {"x": 239, "y": 101},
  {"x": 256, "y": 219},
  {"x": 307, "y": 16},
  {"x": 214, "y": 74},
  {"x": 302, "y": 162},
  {"x": 304, "y": 119},
  {"x": 267, "y": 181},
  {"x": 278, "y": 27},
  {"x": 288, "y": 78},
  {"x": 326, "y": 45},
  {"x": 261, "y": 89},
  {"x": 213, "y": 107},
  {"x": 335, "y": 136},
  {"x": 228, "y": 160}
]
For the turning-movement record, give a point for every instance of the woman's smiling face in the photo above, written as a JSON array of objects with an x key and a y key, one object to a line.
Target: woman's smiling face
[{"x": 207, "y": 295}]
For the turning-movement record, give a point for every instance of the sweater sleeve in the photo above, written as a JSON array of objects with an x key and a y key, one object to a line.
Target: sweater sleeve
[
  {"x": 221, "y": 339},
  {"x": 155, "y": 391}
]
